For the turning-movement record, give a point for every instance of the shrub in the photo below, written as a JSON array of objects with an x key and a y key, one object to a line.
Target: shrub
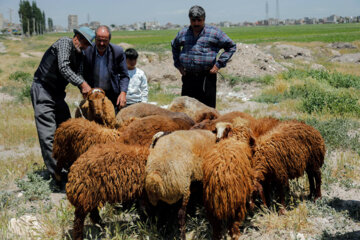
[
  {"x": 35, "y": 188},
  {"x": 21, "y": 76}
]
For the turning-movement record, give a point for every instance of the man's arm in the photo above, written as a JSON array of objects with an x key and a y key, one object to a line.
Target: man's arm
[
  {"x": 122, "y": 71},
  {"x": 229, "y": 49},
  {"x": 176, "y": 48},
  {"x": 63, "y": 54}
]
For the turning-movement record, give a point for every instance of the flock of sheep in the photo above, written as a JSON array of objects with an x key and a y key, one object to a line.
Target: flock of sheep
[{"x": 148, "y": 154}]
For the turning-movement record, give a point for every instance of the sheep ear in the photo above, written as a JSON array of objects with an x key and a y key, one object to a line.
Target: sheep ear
[{"x": 230, "y": 133}]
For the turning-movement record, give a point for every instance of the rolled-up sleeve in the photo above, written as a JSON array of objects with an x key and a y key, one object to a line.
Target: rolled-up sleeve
[
  {"x": 229, "y": 49},
  {"x": 176, "y": 48},
  {"x": 64, "y": 48}
]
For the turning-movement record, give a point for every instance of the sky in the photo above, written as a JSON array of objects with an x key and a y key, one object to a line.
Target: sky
[{"x": 120, "y": 12}]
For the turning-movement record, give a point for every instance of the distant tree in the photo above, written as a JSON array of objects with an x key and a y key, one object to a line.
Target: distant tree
[
  {"x": 112, "y": 25},
  {"x": 25, "y": 15},
  {"x": 50, "y": 25},
  {"x": 31, "y": 18}
]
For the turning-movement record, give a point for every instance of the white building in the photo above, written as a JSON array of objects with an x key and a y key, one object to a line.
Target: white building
[{"x": 72, "y": 22}]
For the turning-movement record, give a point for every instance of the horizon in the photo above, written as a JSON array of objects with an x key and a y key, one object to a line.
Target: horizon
[{"x": 236, "y": 11}]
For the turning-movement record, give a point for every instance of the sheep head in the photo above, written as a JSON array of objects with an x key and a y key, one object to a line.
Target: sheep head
[
  {"x": 223, "y": 130},
  {"x": 206, "y": 115},
  {"x": 204, "y": 124},
  {"x": 101, "y": 110},
  {"x": 238, "y": 129}
]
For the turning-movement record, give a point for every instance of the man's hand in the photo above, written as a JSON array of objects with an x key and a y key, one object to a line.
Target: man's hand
[
  {"x": 214, "y": 69},
  {"x": 121, "y": 101},
  {"x": 182, "y": 71},
  {"x": 84, "y": 89}
]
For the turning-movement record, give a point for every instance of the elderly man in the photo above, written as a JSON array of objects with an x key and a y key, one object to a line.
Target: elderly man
[
  {"x": 105, "y": 67},
  {"x": 194, "y": 52},
  {"x": 60, "y": 65}
]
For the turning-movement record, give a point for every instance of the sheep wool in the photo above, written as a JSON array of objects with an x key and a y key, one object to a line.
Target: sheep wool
[
  {"x": 227, "y": 117},
  {"x": 173, "y": 163},
  {"x": 228, "y": 181},
  {"x": 75, "y": 136},
  {"x": 286, "y": 152},
  {"x": 140, "y": 131},
  {"x": 141, "y": 110},
  {"x": 194, "y": 108},
  {"x": 106, "y": 173}
]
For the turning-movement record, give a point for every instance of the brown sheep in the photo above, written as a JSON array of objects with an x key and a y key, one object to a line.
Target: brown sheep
[
  {"x": 286, "y": 152},
  {"x": 173, "y": 164},
  {"x": 262, "y": 125},
  {"x": 209, "y": 124},
  {"x": 106, "y": 173},
  {"x": 193, "y": 108},
  {"x": 140, "y": 110},
  {"x": 97, "y": 107},
  {"x": 141, "y": 130},
  {"x": 229, "y": 179},
  {"x": 74, "y": 137}
]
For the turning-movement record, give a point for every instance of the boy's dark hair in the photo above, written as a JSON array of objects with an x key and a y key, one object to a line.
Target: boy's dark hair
[{"x": 131, "y": 54}]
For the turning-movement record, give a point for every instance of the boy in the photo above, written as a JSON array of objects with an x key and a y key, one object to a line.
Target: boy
[{"x": 138, "y": 88}]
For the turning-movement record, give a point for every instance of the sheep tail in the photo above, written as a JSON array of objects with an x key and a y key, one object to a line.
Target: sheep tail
[{"x": 154, "y": 186}]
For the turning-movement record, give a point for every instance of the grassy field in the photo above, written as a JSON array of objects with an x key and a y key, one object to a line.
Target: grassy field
[
  {"x": 160, "y": 40},
  {"x": 327, "y": 99}
]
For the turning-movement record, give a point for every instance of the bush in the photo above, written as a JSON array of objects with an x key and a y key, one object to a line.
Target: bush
[
  {"x": 35, "y": 188},
  {"x": 21, "y": 76},
  {"x": 335, "y": 132},
  {"x": 335, "y": 102}
]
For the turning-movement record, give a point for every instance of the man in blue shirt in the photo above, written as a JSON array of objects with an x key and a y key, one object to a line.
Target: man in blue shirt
[
  {"x": 105, "y": 67},
  {"x": 194, "y": 52}
]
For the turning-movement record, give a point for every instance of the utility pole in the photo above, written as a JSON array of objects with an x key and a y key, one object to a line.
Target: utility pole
[
  {"x": 267, "y": 12},
  {"x": 277, "y": 12}
]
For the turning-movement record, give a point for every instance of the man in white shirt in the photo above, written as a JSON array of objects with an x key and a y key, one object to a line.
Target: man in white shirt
[{"x": 138, "y": 87}]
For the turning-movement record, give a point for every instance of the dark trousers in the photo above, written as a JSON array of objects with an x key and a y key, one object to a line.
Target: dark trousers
[
  {"x": 113, "y": 98},
  {"x": 201, "y": 86},
  {"x": 50, "y": 111}
]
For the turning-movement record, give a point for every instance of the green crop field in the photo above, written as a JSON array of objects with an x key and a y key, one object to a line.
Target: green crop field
[{"x": 160, "y": 40}]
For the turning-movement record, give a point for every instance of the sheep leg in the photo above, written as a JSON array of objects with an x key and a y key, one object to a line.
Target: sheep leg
[
  {"x": 311, "y": 183},
  {"x": 260, "y": 191},
  {"x": 235, "y": 229},
  {"x": 317, "y": 175},
  {"x": 182, "y": 214},
  {"x": 79, "y": 224},
  {"x": 281, "y": 193},
  {"x": 216, "y": 227},
  {"x": 95, "y": 217}
]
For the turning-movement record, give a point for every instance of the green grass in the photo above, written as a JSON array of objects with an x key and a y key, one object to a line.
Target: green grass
[
  {"x": 317, "y": 92},
  {"x": 160, "y": 40}
]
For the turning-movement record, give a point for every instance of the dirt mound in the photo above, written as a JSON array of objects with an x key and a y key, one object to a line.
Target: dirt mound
[
  {"x": 347, "y": 58},
  {"x": 341, "y": 45},
  {"x": 250, "y": 61}
]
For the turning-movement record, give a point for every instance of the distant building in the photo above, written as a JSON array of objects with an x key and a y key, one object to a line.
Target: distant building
[
  {"x": 94, "y": 24},
  {"x": 225, "y": 24},
  {"x": 332, "y": 19},
  {"x": 72, "y": 22},
  {"x": 1, "y": 21}
]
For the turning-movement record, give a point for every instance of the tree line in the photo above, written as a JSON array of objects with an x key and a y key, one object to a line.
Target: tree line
[{"x": 32, "y": 19}]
